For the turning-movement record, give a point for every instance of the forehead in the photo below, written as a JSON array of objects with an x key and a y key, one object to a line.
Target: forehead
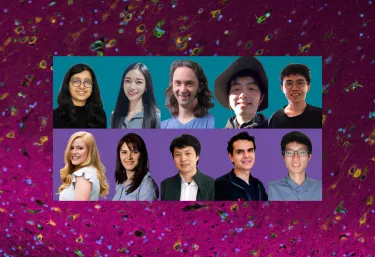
[
  {"x": 128, "y": 146},
  {"x": 243, "y": 80},
  {"x": 294, "y": 77},
  {"x": 184, "y": 150},
  {"x": 184, "y": 73},
  {"x": 84, "y": 75},
  {"x": 135, "y": 74},
  {"x": 295, "y": 146},
  {"x": 78, "y": 142},
  {"x": 242, "y": 144}
]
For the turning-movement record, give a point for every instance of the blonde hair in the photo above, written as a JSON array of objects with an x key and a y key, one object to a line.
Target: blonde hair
[{"x": 93, "y": 159}]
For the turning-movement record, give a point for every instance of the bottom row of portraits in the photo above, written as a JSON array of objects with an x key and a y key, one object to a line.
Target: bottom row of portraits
[{"x": 84, "y": 176}]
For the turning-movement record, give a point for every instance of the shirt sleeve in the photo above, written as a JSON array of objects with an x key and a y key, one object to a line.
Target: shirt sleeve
[
  {"x": 147, "y": 191},
  {"x": 211, "y": 122},
  {"x": 89, "y": 174}
]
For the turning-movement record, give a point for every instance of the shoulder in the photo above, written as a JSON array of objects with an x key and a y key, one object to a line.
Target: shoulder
[
  {"x": 314, "y": 182},
  {"x": 224, "y": 178},
  {"x": 88, "y": 173},
  {"x": 277, "y": 183},
  {"x": 206, "y": 178},
  {"x": 277, "y": 113},
  {"x": 314, "y": 109},
  {"x": 165, "y": 123},
  {"x": 169, "y": 180}
]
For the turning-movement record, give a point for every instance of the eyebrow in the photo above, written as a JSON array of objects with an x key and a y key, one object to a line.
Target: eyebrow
[
  {"x": 80, "y": 78},
  {"x": 177, "y": 80},
  {"x": 251, "y": 148},
  {"x": 289, "y": 149},
  {"x": 135, "y": 78}
]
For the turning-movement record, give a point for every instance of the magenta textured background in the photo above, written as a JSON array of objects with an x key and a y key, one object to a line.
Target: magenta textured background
[{"x": 31, "y": 224}]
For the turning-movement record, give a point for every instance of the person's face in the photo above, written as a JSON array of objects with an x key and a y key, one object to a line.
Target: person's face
[
  {"x": 244, "y": 96},
  {"x": 296, "y": 164},
  {"x": 78, "y": 152},
  {"x": 185, "y": 159},
  {"x": 185, "y": 86},
  {"x": 295, "y": 88},
  {"x": 134, "y": 84},
  {"x": 80, "y": 87},
  {"x": 129, "y": 157},
  {"x": 243, "y": 155}
]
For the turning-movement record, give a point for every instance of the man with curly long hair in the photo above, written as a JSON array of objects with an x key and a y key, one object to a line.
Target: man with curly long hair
[{"x": 188, "y": 97}]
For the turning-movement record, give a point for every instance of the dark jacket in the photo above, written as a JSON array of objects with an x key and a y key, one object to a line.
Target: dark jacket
[
  {"x": 259, "y": 121},
  {"x": 228, "y": 188},
  {"x": 171, "y": 187}
]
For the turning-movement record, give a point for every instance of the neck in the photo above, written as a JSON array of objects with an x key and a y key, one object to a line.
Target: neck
[
  {"x": 136, "y": 105},
  {"x": 129, "y": 174},
  {"x": 244, "y": 118},
  {"x": 78, "y": 103},
  {"x": 298, "y": 178},
  {"x": 186, "y": 112},
  {"x": 297, "y": 106},
  {"x": 242, "y": 174},
  {"x": 188, "y": 177}
]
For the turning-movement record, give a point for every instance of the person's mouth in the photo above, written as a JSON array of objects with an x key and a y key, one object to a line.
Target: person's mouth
[
  {"x": 132, "y": 93},
  {"x": 247, "y": 162},
  {"x": 243, "y": 104},
  {"x": 81, "y": 93},
  {"x": 296, "y": 165},
  {"x": 184, "y": 96},
  {"x": 76, "y": 157},
  {"x": 296, "y": 94}
]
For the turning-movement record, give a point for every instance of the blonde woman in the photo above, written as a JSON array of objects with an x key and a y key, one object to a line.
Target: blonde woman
[{"x": 83, "y": 177}]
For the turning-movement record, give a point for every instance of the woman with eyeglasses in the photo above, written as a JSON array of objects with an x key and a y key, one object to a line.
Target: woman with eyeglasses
[
  {"x": 136, "y": 106},
  {"x": 295, "y": 84},
  {"x": 80, "y": 104},
  {"x": 132, "y": 175}
]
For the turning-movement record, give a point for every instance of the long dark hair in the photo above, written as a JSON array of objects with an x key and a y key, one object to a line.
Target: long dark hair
[
  {"x": 134, "y": 142},
  {"x": 96, "y": 117},
  {"x": 150, "y": 107},
  {"x": 204, "y": 94}
]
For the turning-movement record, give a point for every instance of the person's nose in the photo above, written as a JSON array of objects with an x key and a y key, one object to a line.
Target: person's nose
[{"x": 295, "y": 155}]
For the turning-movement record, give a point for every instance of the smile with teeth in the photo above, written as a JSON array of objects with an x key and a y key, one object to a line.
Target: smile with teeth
[
  {"x": 81, "y": 92},
  {"x": 296, "y": 94},
  {"x": 76, "y": 157},
  {"x": 296, "y": 164}
]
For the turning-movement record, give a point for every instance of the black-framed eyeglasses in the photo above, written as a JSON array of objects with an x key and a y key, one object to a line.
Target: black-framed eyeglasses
[
  {"x": 300, "y": 153},
  {"x": 300, "y": 83},
  {"x": 78, "y": 82}
]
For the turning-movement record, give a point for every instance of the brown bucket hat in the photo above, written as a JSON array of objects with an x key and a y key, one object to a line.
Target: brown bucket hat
[{"x": 242, "y": 63}]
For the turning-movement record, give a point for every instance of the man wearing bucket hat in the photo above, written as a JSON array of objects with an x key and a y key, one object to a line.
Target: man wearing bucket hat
[{"x": 243, "y": 88}]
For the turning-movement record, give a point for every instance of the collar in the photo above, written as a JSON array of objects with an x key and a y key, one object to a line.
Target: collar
[
  {"x": 183, "y": 182},
  {"x": 198, "y": 178},
  {"x": 297, "y": 187},
  {"x": 232, "y": 176},
  {"x": 232, "y": 122}
]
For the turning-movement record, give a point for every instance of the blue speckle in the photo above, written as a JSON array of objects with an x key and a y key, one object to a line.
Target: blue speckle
[{"x": 290, "y": 21}]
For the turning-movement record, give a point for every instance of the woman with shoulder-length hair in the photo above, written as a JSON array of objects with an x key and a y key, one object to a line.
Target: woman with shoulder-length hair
[
  {"x": 83, "y": 178},
  {"x": 136, "y": 106},
  {"x": 132, "y": 175},
  {"x": 80, "y": 104}
]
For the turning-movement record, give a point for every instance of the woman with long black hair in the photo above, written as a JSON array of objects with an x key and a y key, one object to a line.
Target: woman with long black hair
[
  {"x": 132, "y": 175},
  {"x": 80, "y": 104},
  {"x": 136, "y": 106}
]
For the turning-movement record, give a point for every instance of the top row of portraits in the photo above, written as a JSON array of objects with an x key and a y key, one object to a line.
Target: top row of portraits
[{"x": 199, "y": 94}]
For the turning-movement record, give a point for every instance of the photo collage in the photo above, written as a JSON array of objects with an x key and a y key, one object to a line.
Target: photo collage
[{"x": 158, "y": 128}]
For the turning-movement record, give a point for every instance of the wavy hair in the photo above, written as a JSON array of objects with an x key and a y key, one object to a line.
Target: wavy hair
[
  {"x": 96, "y": 117},
  {"x": 204, "y": 93},
  {"x": 134, "y": 142},
  {"x": 93, "y": 159},
  {"x": 150, "y": 107}
]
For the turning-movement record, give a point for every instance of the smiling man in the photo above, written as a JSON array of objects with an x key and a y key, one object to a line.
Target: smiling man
[
  {"x": 188, "y": 97},
  {"x": 239, "y": 184},
  {"x": 243, "y": 88},
  {"x": 295, "y": 84},
  {"x": 189, "y": 184},
  {"x": 296, "y": 149}
]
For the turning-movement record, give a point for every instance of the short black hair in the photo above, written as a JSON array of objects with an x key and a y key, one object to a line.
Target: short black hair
[
  {"x": 186, "y": 140},
  {"x": 246, "y": 73},
  {"x": 296, "y": 136},
  {"x": 240, "y": 136},
  {"x": 295, "y": 69}
]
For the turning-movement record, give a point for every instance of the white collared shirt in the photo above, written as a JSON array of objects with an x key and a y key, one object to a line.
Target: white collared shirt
[{"x": 189, "y": 191}]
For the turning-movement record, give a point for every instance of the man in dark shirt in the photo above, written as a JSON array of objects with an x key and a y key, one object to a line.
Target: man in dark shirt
[
  {"x": 295, "y": 84},
  {"x": 239, "y": 184}
]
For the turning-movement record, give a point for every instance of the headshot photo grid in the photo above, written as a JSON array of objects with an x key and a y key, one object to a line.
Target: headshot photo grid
[{"x": 197, "y": 129}]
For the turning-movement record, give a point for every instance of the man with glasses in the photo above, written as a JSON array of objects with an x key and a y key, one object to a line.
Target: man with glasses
[
  {"x": 296, "y": 150},
  {"x": 295, "y": 84}
]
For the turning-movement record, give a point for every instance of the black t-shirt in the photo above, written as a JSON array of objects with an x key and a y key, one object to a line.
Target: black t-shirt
[
  {"x": 82, "y": 119},
  {"x": 310, "y": 118}
]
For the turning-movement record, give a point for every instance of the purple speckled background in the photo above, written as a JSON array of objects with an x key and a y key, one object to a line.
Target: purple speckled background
[{"x": 32, "y": 224}]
